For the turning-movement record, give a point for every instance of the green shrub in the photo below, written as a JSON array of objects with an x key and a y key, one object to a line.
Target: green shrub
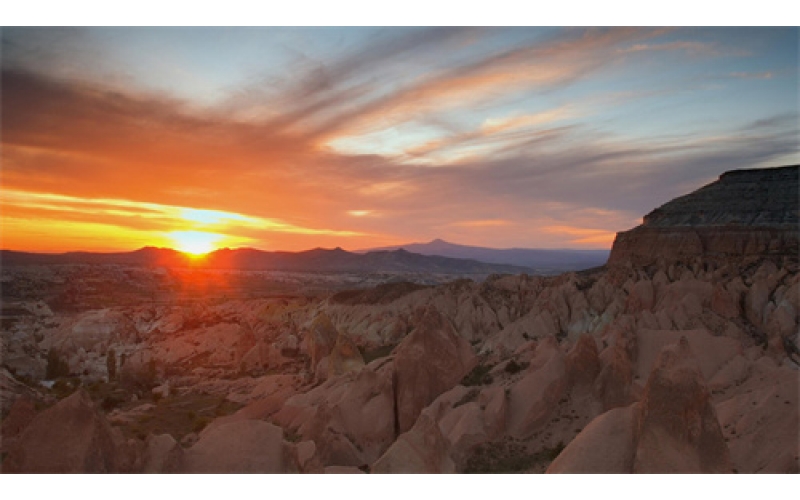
[
  {"x": 111, "y": 364},
  {"x": 478, "y": 376},
  {"x": 56, "y": 367},
  {"x": 513, "y": 367}
]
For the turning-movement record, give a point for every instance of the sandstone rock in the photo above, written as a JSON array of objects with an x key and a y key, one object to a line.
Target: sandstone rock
[
  {"x": 494, "y": 403},
  {"x": 247, "y": 446},
  {"x": 534, "y": 397},
  {"x": 711, "y": 352},
  {"x": 345, "y": 357},
  {"x": 732, "y": 373},
  {"x": 606, "y": 446},
  {"x": 641, "y": 297},
  {"x": 677, "y": 428},
  {"x": 726, "y": 299},
  {"x": 70, "y": 437},
  {"x": 342, "y": 469},
  {"x": 761, "y": 420},
  {"x": 350, "y": 418},
  {"x": 755, "y": 301},
  {"x": 162, "y": 454},
  {"x": 613, "y": 383},
  {"x": 421, "y": 450},
  {"x": 307, "y": 461},
  {"x": 583, "y": 364},
  {"x": 464, "y": 428},
  {"x": 322, "y": 337},
  {"x": 745, "y": 213},
  {"x": 19, "y": 417},
  {"x": 431, "y": 360}
]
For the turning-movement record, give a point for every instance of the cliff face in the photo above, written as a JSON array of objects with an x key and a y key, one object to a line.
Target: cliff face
[{"x": 745, "y": 213}]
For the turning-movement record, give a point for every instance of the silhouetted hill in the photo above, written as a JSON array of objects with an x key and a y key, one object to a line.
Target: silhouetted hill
[
  {"x": 318, "y": 259},
  {"x": 536, "y": 258}
]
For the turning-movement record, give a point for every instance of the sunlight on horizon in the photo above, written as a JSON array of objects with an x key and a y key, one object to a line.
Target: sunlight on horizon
[{"x": 195, "y": 243}]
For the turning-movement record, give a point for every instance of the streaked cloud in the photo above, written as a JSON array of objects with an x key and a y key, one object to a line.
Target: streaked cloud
[
  {"x": 463, "y": 134},
  {"x": 484, "y": 223}
]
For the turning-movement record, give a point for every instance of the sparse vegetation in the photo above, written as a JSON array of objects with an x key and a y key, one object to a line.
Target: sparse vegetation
[
  {"x": 513, "y": 367},
  {"x": 377, "y": 353},
  {"x": 56, "y": 366},
  {"x": 291, "y": 436},
  {"x": 111, "y": 364},
  {"x": 508, "y": 456},
  {"x": 179, "y": 415},
  {"x": 478, "y": 376}
]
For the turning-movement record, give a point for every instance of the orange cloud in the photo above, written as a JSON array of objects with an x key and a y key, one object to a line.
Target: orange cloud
[
  {"x": 483, "y": 223},
  {"x": 137, "y": 221},
  {"x": 584, "y": 236}
]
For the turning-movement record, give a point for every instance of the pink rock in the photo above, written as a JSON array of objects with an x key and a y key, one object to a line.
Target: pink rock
[
  {"x": 345, "y": 357},
  {"x": 322, "y": 337},
  {"x": 431, "y": 360},
  {"x": 677, "y": 428},
  {"x": 613, "y": 384},
  {"x": 421, "y": 450},
  {"x": 247, "y": 446},
  {"x": 162, "y": 454},
  {"x": 22, "y": 412},
  {"x": 711, "y": 352},
  {"x": 70, "y": 437},
  {"x": 350, "y": 418},
  {"x": 641, "y": 297},
  {"x": 533, "y": 398},
  {"x": 762, "y": 422},
  {"x": 606, "y": 446},
  {"x": 583, "y": 364}
]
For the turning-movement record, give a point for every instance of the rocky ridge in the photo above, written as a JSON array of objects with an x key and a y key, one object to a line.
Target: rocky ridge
[
  {"x": 688, "y": 365},
  {"x": 745, "y": 214}
]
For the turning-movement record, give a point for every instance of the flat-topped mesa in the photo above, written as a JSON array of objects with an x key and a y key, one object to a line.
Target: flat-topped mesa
[{"x": 744, "y": 214}]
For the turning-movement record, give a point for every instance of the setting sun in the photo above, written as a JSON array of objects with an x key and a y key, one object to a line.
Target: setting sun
[{"x": 195, "y": 242}]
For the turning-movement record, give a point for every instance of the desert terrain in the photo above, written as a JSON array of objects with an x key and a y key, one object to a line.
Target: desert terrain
[{"x": 680, "y": 355}]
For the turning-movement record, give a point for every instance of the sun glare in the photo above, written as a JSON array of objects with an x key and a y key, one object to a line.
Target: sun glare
[{"x": 195, "y": 242}]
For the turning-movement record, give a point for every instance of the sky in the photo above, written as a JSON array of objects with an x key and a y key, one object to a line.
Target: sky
[{"x": 296, "y": 138}]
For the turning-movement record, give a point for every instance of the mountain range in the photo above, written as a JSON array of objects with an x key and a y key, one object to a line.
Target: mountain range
[
  {"x": 316, "y": 260},
  {"x": 542, "y": 260}
]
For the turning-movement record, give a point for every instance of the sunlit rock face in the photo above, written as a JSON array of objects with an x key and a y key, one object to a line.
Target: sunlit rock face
[{"x": 745, "y": 213}]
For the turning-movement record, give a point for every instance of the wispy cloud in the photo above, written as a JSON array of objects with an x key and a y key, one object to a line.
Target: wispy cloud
[
  {"x": 763, "y": 75},
  {"x": 531, "y": 132}
]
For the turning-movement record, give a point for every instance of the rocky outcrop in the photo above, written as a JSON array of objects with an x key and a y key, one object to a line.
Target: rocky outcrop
[
  {"x": 761, "y": 420},
  {"x": 162, "y": 454},
  {"x": 19, "y": 417},
  {"x": 246, "y": 446},
  {"x": 677, "y": 427},
  {"x": 673, "y": 429},
  {"x": 606, "y": 446},
  {"x": 322, "y": 336},
  {"x": 431, "y": 360},
  {"x": 351, "y": 419},
  {"x": 345, "y": 357},
  {"x": 70, "y": 437},
  {"x": 421, "y": 450},
  {"x": 746, "y": 213},
  {"x": 533, "y": 399}
]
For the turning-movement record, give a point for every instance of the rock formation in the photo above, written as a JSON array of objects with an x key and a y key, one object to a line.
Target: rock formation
[
  {"x": 744, "y": 214},
  {"x": 431, "y": 360},
  {"x": 70, "y": 437},
  {"x": 680, "y": 355}
]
